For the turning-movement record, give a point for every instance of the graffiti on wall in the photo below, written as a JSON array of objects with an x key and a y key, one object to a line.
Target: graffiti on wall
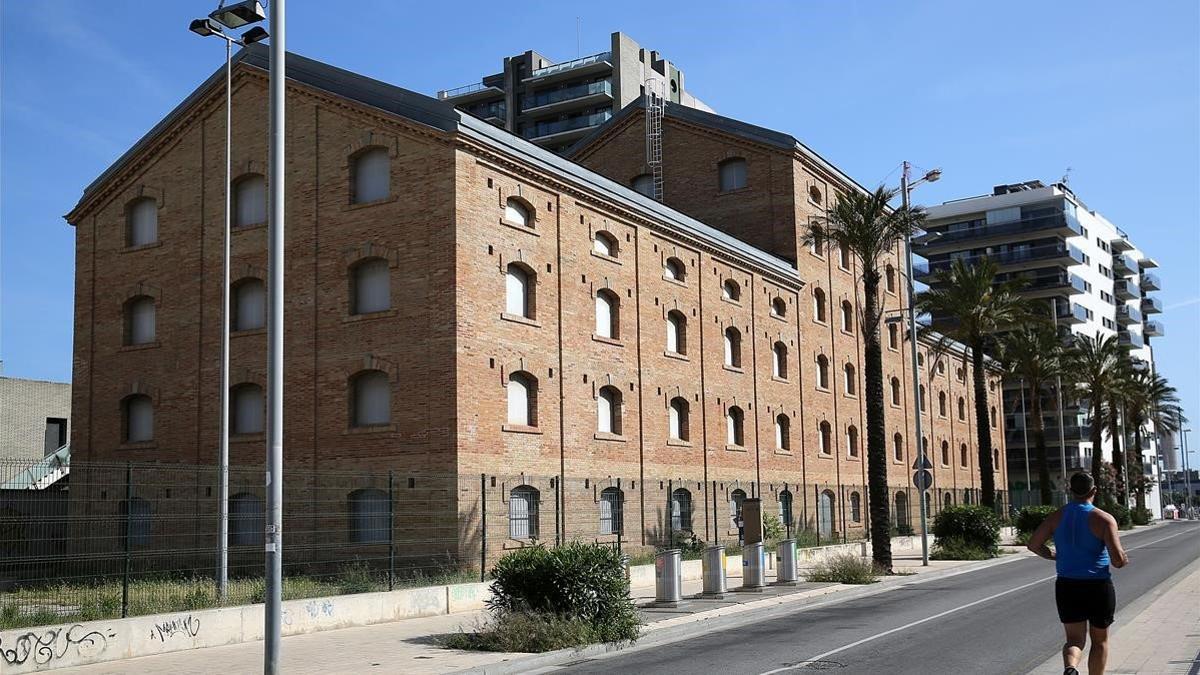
[
  {"x": 185, "y": 626},
  {"x": 46, "y": 645}
]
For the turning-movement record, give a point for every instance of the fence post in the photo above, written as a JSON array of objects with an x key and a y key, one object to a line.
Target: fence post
[
  {"x": 671, "y": 513},
  {"x": 483, "y": 526},
  {"x": 817, "y": 497},
  {"x": 128, "y": 538},
  {"x": 558, "y": 528},
  {"x": 391, "y": 530},
  {"x": 620, "y": 515}
]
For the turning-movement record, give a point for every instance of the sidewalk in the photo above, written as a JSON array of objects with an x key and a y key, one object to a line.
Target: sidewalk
[
  {"x": 410, "y": 646},
  {"x": 1162, "y": 638}
]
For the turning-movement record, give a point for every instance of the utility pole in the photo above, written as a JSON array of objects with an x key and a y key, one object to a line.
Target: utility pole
[{"x": 1062, "y": 432}]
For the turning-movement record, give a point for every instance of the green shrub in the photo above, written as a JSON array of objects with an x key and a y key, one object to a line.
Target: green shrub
[
  {"x": 773, "y": 530},
  {"x": 356, "y": 577},
  {"x": 973, "y": 526},
  {"x": 1118, "y": 511},
  {"x": 1030, "y": 518},
  {"x": 582, "y": 581},
  {"x": 690, "y": 546},
  {"x": 1141, "y": 516},
  {"x": 525, "y": 632},
  {"x": 844, "y": 568},
  {"x": 954, "y": 548}
]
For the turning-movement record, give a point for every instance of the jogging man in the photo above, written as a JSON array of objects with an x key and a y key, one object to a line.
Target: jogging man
[{"x": 1085, "y": 543}]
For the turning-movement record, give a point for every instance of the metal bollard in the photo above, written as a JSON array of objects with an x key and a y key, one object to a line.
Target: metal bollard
[
  {"x": 753, "y": 567},
  {"x": 785, "y": 575},
  {"x": 625, "y": 567},
  {"x": 714, "y": 572},
  {"x": 668, "y": 587}
]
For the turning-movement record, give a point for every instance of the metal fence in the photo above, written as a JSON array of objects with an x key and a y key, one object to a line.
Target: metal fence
[{"x": 122, "y": 539}]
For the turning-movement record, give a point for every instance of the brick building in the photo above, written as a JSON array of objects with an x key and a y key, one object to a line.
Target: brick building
[{"x": 463, "y": 302}]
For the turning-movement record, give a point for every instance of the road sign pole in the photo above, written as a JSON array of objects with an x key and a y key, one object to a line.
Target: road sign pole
[{"x": 922, "y": 480}]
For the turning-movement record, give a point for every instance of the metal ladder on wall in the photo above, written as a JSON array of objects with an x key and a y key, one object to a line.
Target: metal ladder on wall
[{"x": 655, "y": 109}]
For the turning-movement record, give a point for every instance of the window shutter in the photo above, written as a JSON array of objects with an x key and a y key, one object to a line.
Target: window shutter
[
  {"x": 139, "y": 424},
  {"x": 372, "y": 399},
  {"x": 251, "y": 305},
  {"x": 143, "y": 222},
  {"x": 372, "y": 286},
  {"x": 372, "y": 175},
  {"x": 248, "y": 410},
  {"x": 250, "y": 201},
  {"x": 141, "y": 324}
]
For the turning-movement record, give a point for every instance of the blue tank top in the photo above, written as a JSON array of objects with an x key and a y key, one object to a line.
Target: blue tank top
[{"x": 1079, "y": 554}]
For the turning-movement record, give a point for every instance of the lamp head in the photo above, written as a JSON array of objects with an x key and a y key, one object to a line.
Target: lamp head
[
  {"x": 239, "y": 14},
  {"x": 256, "y": 34},
  {"x": 204, "y": 27},
  {"x": 933, "y": 175}
]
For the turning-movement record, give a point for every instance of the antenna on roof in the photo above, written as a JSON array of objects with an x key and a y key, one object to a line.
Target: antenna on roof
[
  {"x": 1066, "y": 179},
  {"x": 655, "y": 108}
]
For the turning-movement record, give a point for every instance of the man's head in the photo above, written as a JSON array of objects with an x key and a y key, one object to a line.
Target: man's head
[{"x": 1083, "y": 488}]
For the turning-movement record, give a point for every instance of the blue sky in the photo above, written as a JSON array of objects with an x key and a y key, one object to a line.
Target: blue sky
[{"x": 1109, "y": 89}]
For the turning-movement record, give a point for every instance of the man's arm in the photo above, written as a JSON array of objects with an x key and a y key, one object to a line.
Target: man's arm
[
  {"x": 1037, "y": 541},
  {"x": 1112, "y": 540}
]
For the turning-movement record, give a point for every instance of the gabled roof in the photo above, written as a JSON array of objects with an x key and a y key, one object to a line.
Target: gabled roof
[
  {"x": 441, "y": 115},
  {"x": 728, "y": 125}
]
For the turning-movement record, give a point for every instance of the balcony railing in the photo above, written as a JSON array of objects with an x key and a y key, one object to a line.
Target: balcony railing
[
  {"x": 1130, "y": 339},
  {"x": 1123, "y": 263},
  {"x": 1153, "y": 329},
  {"x": 1126, "y": 289},
  {"x": 1128, "y": 314},
  {"x": 542, "y": 129},
  {"x": 1151, "y": 305},
  {"x": 571, "y": 65},
  {"x": 1046, "y": 252},
  {"x": 1061, "y": 221},
  {"x": 496, "y": 109},
  {"x": 1066, "y": 281},
  {"x": 1072, "y": 313},
  {"x": 462, "y": 91},
  {"x": 568, "y": 93},
  {"x": 1151, "y": 282}
]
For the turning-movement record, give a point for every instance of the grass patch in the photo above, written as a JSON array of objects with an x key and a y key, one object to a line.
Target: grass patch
[
  {"x": 844, "y": 568},
  {"x": 957, "y": 549},
  {"x": 524, "y": 632}
]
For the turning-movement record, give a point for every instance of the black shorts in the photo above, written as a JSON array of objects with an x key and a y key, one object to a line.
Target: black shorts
[{"x": 1090, "y": 600}]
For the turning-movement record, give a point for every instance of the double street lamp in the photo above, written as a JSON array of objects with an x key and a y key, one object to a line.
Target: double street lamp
[{"x": 232, "y": 16}]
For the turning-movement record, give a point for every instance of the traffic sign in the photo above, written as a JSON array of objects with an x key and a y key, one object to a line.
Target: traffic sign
[
  {"x": 922, "y": 462},
  {"x": 922, "y": 479}
]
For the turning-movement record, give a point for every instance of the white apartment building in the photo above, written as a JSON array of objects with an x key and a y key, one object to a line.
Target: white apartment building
[{"x": 1092, "y": 277}]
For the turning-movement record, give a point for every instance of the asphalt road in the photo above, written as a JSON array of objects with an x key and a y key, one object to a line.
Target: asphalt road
[{"x": 995, "y": 620}]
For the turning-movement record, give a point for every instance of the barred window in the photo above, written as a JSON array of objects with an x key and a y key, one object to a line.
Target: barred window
[
  {"x": 681, "y": 510},
  {"x": 523, "y": 513},
  {"x": 370, "y": 520},
  {"x": 246, "y": 521},
  {"x": 611, "y": 511}
]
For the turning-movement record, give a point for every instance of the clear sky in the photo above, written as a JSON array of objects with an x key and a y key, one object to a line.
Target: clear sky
[{"x": 990, "y": 93}]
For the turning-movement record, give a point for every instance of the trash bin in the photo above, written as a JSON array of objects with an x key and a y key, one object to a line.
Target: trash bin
[
  {"x": 714, "y": 572},
  {"x": 668, "y": 587},
  {"x": 753, "y": 566},
  {"x": 785, "y": 574}
]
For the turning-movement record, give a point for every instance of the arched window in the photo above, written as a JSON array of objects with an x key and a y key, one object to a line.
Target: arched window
[
  {"x": 676, "y": 332},
  {"x": 681, "y": 510},
  {"x": 825, "y": 438},
  {"x": 612, "y": 506},
  {"x": 608, "y": 410},
  {"x": 844, "y": 255},
  {"x": 941, "y": 367},
  {"x": 893, "y": 336},
  {"x": 644, "y": 183},
  {"x": 785, "y": 508},
  {"x": 962, "y": 408},
  {"x": 819, "y": 305},
  {"x": 135, "y": 521},
  {"x": 249, "y": 304},
  {"x": 250, "y": 201},
  {"x": 852, "y": 441},
  {"x": 890, "y": 278},
  {"x": 733, "y": 426},
  {"x": 519, "y": 284},
  {"x": 962, "y": 455},
  {"x": 674, "y": 270},
  {"x": 895, "y": 386},
  {"x": 605, "y": 244},
  {"x": 783, "y": 432},
  {"x": 736, "y": 499},
  {"x": 246, "y": 409},
  {"x": 851, "y": 383},
  {"x": 995, "y": 459},
  {"x": 817, "y": 245},
  {"x": 993, "y": 416},
  {"x": 678, "y": 419},
  {"x": 855, "y": 507},
  {"x": 517, "y": 213},
  {"x": 898, "y": 447},
  {"x": 370, "y": 176},
  {"x": 139, "y": 320},
  {"x": 732, "y": 174},
  {"x": 522, "y": 399},
  {"x": 372, "y": 288},
  {"x": 608, "y": 317},
  {"x": 733, "y": 347},
  {"x": 138, "y": 419},
  {"x": 942, "y": 403},
  {"x": 966, "y": 495},
  {"x": 523, "y": 513},
  {"x": 945, "y": 453},
  {"x": 822, "y": 372},
  {"x": 370, "y": 521},
  {"x": 847, "y": 316},
  {"x": 920, "y": 359},
  {"x": 779, "y": 364},
  {"x": 371, "y": 404},
  {"x": 960, "y": 374},
  {"x": 902, "y": 518},
  {"x": 730, "y": 290},
  {"x": 246, "y": 522},
  {"x": 921, "y": 396},
  {"x": 825, "y": 514},
  {"x": 778, "y": 307},
  {"x": 141, "y": 222}
]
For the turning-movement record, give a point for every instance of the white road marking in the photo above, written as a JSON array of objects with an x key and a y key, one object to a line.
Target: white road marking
[{"x": 820, "y": 657}]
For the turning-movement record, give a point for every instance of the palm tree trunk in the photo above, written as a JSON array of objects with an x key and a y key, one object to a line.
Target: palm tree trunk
[
  {"x": 1137, "y": 452},
  {"x": 1039, "y": 439},
  {"x": 987, "y": 478},
  {"x": 1118, "y": 458},
  {"x": 877, "y": 485},
  {"x": 1096, "y": 434}
]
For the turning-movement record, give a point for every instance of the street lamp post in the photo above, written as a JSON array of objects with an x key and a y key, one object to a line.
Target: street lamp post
[
  {"x": 1187, "y": 477},
  {"x": 906, "y": 188},
  {"x": 1025, "y": 435},
  {"x": 1062, "y": 425},
  {"x": 210, "y": 27}
]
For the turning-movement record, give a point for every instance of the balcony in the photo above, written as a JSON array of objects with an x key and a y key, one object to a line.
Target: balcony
[
  {"x": 1126, "y": 289},
  {"x": 468, "y": 93},
  {"x": 494, "y": 111},
  {"x": 1120, "y": 245},
  {"x": 560, "y": 130},
  {"x": 1060, "y": 224},
  {"x": 1150, "y": 282},
  {"x": 1071, "y": 313},
  {"x": 1124, "y": 264},
  {"x": 1023, "y": 257},
  {"x": 1044, "y": 286},
  {"x": 576, "y": 67},
  {"x": 1128, "y": 315},
  {"x": 1130, "y": 339},
  {"x": 1151, "y": 305},
  {"x": 1153, "y": 329},
  {"x": 588, "y": 94}
]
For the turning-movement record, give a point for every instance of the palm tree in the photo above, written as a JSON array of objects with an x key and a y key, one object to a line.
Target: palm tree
[
  {"x": 1091, "y": 362},
  {"x": 1035, "y": 354},
  {"x": 1152, "y": 401},
  {"x": 864, "y": 223},
  {"x": 1120, "y": 384},
  {"x": 974, "y": 306}
]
